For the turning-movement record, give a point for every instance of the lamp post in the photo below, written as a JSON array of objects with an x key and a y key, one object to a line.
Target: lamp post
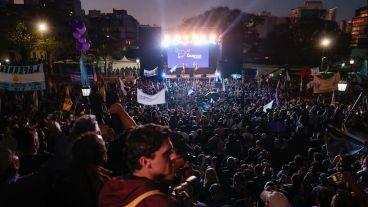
[
  {"x": 341, "y": 86},
  {"x": 325, "y": 43},
  {"x": 42, "y": 29},
  {"x": 351, "y": 65},
  {"x": 86, "y": 90}
]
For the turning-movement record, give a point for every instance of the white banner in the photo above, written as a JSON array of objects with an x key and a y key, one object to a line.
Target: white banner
[
  {"x": 146, "y": 99},
  {"x": 150, "y": 73}
]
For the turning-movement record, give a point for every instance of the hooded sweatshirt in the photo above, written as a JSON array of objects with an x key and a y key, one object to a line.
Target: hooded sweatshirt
[{"x": 120, "y": 192}]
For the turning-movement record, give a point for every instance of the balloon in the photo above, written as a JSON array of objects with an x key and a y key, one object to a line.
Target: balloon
[
  {"x": 79, "y": 25},
  {"x": 82, "y": 40},
  {"x": 73, "y": 23},
  {"x": 82, "y": 30},
  {"x": 76, "y": 35},
  {"x": 86, "y": 46},
  {"x": 79, "y": 46}
]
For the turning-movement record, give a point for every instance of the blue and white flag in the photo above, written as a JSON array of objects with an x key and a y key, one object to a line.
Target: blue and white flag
[
  {"x": 83, "y": 68},
  {"x": 22, "y": 78},
  {"x": 146, "y": 99},
  {"x": 150, "y": 73}
]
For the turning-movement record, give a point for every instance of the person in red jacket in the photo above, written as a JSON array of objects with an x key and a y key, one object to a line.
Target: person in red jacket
[{"x": 149, "y": 155}]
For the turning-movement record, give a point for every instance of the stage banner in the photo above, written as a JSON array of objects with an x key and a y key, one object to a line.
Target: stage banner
[
  {"x": 22, "y": 78},
  {"x": 146, "y": 99}
]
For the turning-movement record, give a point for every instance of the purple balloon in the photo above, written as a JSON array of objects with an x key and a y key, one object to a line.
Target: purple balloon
[
  {"x": 79, "y": 25},
  {"x": 77, "y": 35},
  {"x": 82, "y": 30},
  {"x": 86, "y": 46},
  {"x": 82, "y": 40},
  {"x": 79, "y": 46},
  {"x": 73, "y": 23}
]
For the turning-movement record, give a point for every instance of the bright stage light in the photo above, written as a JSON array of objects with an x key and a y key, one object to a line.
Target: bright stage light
[
  {"x": 185, "y": 39},
  {"x": 212, "y": 37},
  {"x": 177, "y": 37},
  {"x": 167, "y": 37},
  {"x": 163, "y": 75}
]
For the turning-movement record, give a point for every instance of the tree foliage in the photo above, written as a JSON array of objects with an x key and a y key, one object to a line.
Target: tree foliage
[
  {"x": 299, "y": 44},
  {"x": 23, "y": 39}
]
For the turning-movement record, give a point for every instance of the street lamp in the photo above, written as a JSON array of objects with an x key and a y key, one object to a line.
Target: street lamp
[
  {"x": 86, "y": 90},
  {"x": 351, "y": 62},
  {"x": 325, "y": 43},
  {"x": 7, "y": 60},
  {"x": 42, "y": 27},
  {"x": 341, "y": 86}
]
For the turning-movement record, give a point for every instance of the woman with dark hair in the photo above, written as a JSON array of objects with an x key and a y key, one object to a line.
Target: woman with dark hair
[{"x": 84, "y": 178}]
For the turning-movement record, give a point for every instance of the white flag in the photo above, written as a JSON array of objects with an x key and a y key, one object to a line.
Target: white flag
[
  {"x": 173, "y": 69},
  {"x": 267, "y": 106},
  {"x": 190, "y": 92},
  {"x": 146, "y": 99},
  {"x": 122, "y": 87},
  {"x": 333, "y": 100},
  {"x": 150, "y": 73}
]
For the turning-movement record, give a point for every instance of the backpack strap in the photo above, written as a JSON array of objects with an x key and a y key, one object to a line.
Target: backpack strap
[{"x": 137, "y": 200}]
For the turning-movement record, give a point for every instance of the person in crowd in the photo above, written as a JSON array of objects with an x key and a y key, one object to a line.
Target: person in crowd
[
  {"x": 214, "y": 130},
  {"x": 120, "y": 119},
  {"x": 28, "y": 145},
  {"x": 81, "y": 183},
  {"x": 98, "y": 107},
  {"x": 149, "y": 155},
  {"x": 273, "y": 197}
]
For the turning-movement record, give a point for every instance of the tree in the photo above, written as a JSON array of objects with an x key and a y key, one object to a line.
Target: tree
[
  {"x": 299, "y": 44},
  {"x": 22, "y": 38}
]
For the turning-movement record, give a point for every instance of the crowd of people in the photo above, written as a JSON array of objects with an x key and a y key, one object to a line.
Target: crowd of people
[{"x": 209, "y": 145}]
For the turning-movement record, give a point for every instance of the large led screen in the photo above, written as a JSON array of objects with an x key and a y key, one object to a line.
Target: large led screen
[{"x": 190, "y": 55}]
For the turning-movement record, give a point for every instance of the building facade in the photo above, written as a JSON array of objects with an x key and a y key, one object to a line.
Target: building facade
[
  {"x": 312, "y": 10},
  {"x": 116, "y": 31},
  {"x": 359, "y": 30}
]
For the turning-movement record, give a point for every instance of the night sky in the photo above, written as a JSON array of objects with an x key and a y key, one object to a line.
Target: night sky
[{"x": 170, "y": 13}]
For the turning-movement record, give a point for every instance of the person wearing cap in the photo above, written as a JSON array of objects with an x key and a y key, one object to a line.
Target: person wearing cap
[{"x": 272, "y": 197}]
